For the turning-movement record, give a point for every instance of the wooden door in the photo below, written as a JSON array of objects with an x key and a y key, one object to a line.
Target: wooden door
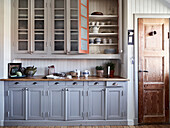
[{"x": 153, "y": 70}]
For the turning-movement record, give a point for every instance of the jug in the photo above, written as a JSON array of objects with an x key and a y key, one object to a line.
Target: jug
[{"x": 95, "y": 29}]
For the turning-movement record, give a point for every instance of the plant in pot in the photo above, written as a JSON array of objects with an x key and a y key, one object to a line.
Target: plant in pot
[
  {"x": 111, "y": 68},
  {"x": 99, "y": 71}
]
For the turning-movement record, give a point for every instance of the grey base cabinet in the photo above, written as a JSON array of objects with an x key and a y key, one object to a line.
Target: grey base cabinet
[{"x": 65, "y": 102}]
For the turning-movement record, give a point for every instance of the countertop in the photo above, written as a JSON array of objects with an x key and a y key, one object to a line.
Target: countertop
[{"x": 41, "y": 78}]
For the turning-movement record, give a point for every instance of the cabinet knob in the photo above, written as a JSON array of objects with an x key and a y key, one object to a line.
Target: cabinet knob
[
  {"x": 26, "y": 89},
  {"x": 96, "y": 83},
  {"x": 35, "y": 83},
  {"x": 56, "y": 83},
  {"x": 16, "y": 83},
  {"x": 75, "y": 83},
  {"x": 115, "y": 84}
]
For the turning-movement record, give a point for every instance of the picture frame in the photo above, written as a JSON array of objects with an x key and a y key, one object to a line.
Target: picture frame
[{"x": 13, "y": 67}]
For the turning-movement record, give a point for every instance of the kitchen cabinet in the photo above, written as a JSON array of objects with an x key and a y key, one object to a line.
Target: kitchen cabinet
[
  {"x": 49, "y": 27},
  {"x": 65, "y": 101}
]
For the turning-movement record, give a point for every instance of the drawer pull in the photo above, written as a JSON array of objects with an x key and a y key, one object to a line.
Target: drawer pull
[
  {"x": 56, "y": 83},
  {"x": 75, "y": 83},
  {"x": 35, "y": 83},
  {"x": 115, "y": 84},
  {"x": 96, "y": 83},
  {"x": 16, "y": 83}
]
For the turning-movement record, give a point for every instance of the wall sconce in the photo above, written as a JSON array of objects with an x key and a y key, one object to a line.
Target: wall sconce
[{"x": 152, "y": 33}]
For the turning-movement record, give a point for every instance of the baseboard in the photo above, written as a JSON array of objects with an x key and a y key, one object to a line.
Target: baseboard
[
  {"x": 1, "y": 123},
  {"x": 63, "y": 123},
  {"x": 130, "y": 122}
]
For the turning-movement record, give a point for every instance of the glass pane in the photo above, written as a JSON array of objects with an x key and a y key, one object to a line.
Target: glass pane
[
  {"x": 83, "y": 45},
  {"x": 74, "y": 46},
  {"x": 39, "y": 35},
  {"x": 23, "y": 35},
  {"x": 39, "y": 14},
  {"x": 59, "y": 36},
  {"x": 83, "y": 22},
  {"x": 74, "y": 3},
  {"x": 39, "y": 3},
  {"x": 74, "y": 24},
  {"x": 83, "y": 11},
  {"x": 39, "y": 45},
  {"x": 59, "y": 3},
  {"x": 59, "y": 46},
  {"x": 39, "y": 24},
  {"x": 84, "y": 2},
  {"x": 23, "y": 24},
  {"x": 59, "y": 24},
  {"x": 74, "y": 14},
  {"x": 23, "y": 13},
  {"x": 23, "y": 45},
  {"x": 74, "y": 36},
  {"x": 59, "y": 14},
  {"x": 23, "y": 3}
]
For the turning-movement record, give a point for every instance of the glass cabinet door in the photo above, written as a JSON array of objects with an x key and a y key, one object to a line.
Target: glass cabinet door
[
  {"x": 39, "y": 30},
  {"x": 74, "y": 25},
  {"x": 58, "y": 13},
  {"x": 23, "y": 26}
]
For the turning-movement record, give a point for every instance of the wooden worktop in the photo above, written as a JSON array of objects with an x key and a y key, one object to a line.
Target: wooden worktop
[{"x": 40, "y": 78}]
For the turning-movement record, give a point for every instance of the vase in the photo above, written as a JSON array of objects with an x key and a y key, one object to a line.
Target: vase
[
  {"x": 111, "y": 73},
  {"x": 100, "y": 73}
]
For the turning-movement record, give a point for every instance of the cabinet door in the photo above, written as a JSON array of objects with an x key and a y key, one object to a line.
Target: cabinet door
[
  {"x": 96, "y": 103},
  {"x": 16, "y": 103},
  {"x": 58, "y": 26},
  {"x": 114, "y": 103},
  {"x": 36, "y": 103},
  {"x": 39, "y": 30},
  {"x": 56, "y": 103},
  {"x": 74, "y": 103},
  {"x": 83, "y": 26}
]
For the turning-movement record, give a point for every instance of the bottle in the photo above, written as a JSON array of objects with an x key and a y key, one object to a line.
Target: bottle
[{"x": 108, "y": 71}]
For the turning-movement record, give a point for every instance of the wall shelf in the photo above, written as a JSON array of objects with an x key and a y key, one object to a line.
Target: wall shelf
[{"x": 103, "y": 34}]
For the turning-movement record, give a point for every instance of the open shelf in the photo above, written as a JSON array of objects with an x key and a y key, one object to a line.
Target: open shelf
[
  {"x": 113, "y": 44},
  {"x": 103, "y": 34},
  {"x": 102, "y": 17},
  {"x": 104, "y": 26}
]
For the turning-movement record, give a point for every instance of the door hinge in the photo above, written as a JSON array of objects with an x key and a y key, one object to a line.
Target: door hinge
[
  {"x": 122, "y": 93},
  {"x": 7, "y": 93},
  {"x": 7, "y": 114}
]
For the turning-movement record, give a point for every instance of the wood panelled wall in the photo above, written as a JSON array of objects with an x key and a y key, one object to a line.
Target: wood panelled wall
[
  {"x": 145, "y": 6},
  {"x": 68, "y": 65}
]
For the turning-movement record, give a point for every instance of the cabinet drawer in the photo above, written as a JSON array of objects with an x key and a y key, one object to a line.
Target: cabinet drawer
[
  {"x": 75, "y": 83},
  {"x": 97, "y": 83},
  {"x": 57, "y": 83},
  {"x": 17, "y": 83},
  {"x": 37, "y": 83},
  {"x": 114, "y": 84}
]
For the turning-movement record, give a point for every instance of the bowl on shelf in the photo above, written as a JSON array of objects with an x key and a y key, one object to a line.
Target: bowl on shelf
[
  {"x": 110, "y": 51},
  {"x": 97, "y": 13}
]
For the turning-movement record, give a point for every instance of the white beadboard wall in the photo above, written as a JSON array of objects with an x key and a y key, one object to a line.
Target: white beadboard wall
[
  {"x": 145, "y": 6},
  {"x": 67, "y": 65}
]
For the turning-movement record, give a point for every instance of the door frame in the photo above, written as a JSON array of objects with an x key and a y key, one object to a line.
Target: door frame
[{"x": 135, "y": 53}]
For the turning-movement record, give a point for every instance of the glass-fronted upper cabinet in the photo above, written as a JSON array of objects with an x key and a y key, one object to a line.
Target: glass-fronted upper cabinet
[{"x": 31, "y": 26}]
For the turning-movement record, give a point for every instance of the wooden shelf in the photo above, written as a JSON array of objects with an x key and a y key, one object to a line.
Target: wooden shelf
[
  {"x": 102, "y": 17},
  {"x": 104, "y": 26},
  {"x": 103, "y": 34},
  {"x": 113, "y": 44}
]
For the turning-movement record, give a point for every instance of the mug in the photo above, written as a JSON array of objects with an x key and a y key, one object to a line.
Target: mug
[
  {"x": 93, "y": 23},
  {"x": 110, "y": 41},
  {"x": 97, "y": 23},
  {"x": 104, "y": 41}
]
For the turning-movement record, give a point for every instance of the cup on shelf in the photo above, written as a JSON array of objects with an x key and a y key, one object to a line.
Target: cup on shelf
[
  {"x": 108, "y": 22},
  {"x": 91, "y": 40},
  {"x": 93, "y": 23},
  {"x": 110, "y": 41},
  {"x": 98, "y": 40},
  {"x": 102, "y": 23},
  {"x": 97, "y": 23},
  {"x": 104, "y": 40}
]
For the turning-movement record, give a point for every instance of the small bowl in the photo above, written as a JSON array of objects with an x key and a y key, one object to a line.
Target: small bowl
[{"x": 109, "y": 51}]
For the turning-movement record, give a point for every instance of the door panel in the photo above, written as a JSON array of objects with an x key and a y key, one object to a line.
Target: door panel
[
  {"x": 154, "y": 60},
  {"x": 35, "y": 103},
  {"x": 56, "y": 103},
  {"x": 96, "y": 103},
  {"x": 75, "y": 103},
  {"x": 16, "y": 103}
]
